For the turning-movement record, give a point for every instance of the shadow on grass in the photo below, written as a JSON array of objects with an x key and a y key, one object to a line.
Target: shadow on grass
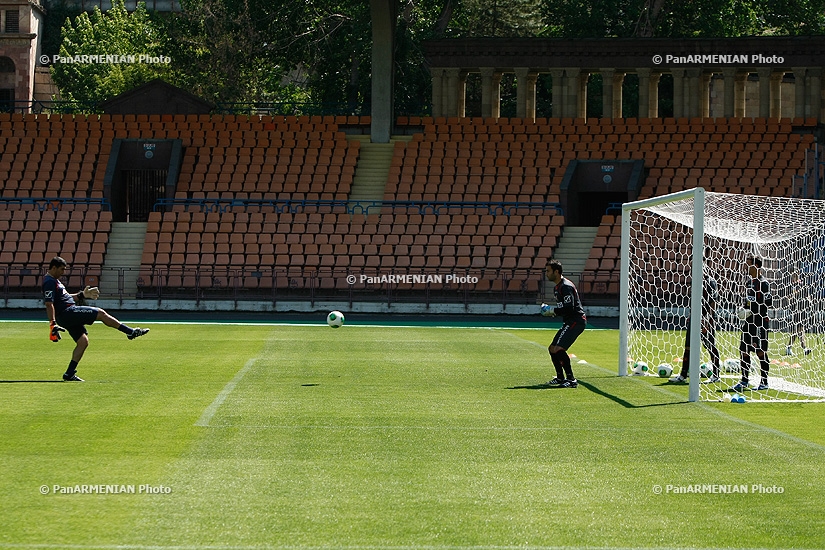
[
  {"x": 29, "y": 381},
  {"x": 596, "y": 390}
]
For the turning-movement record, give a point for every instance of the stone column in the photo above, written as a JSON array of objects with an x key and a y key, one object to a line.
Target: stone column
[
  {"x": 462, "y": 93},
  {"x": 452, "y": 91},
  {"x": 584, "y": 77},
  {"x": 776, "y": 93},
  {"x": 764, "y": 91},
  {"x": 559, "y": 92},
  {"x": 571, "y": 100},
  {"x": 704, "y": 82},
  {"x": 729, "y": 99},
  {"x": 816, "y": 92},
  {"x": 678, "y": 93},
  {"x": 739, "y": 94},
  {"x": 525, "y": 93},
  {"x": 644, "y": 92},
  {"x": 694, "y": 94},
  {"x": 618, "y": 80},
  {"x": 608, "y": 77},
  {"x": 438, "y": 91},
  {"x": 653, "y": 105},
  {"x": 800, "y": 97}
]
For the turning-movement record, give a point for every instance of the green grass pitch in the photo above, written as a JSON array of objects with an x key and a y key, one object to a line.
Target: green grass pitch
[{"x": 263, "y": 436}]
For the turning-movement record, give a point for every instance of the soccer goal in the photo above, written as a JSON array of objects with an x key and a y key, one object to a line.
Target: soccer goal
[{"x": 673, "y": 245}]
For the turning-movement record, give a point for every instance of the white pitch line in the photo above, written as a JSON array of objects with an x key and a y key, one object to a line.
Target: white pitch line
[
  {"x": 713, "y": 410},
  {"x": 341, "y": 547},
  {"x": 210, "y": 411}
]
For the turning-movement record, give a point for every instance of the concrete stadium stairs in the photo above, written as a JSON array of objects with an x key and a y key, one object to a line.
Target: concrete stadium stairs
[
  {"x": 372, "y": 170},
  {"x": 574, "y": 249},
  {"x": 124, "y": 251}
]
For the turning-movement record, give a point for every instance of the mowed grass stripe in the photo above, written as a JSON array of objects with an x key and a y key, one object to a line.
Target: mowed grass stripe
[
  {"x": 126, "y": 425},
  {"x": 442, "y": 439},
  {"x": 210, "y": 411},
  {"x": 501, "y": 462}
]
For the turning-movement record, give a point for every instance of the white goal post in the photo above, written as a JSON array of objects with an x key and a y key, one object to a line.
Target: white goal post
[{"x": 662, "y": 281}]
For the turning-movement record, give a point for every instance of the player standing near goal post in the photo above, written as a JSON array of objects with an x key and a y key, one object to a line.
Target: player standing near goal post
[
  {"x": 799, "y": 316},
  {"x": 710, "y": 296},
  {"x": 755, "y": 324},
  {"x": 69, "y": 311},
  {"x": 569, "y": 307}
]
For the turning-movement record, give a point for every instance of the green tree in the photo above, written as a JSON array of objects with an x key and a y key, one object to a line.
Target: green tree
[
  {"x": 680, "y": 19},
  {"x": 113, "y": 33},
  {"x": 500, "y": 18}
]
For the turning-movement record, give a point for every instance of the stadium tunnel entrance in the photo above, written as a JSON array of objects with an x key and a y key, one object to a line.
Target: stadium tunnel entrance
[
  {"x": 140, "y": 172},
  {"x": 589, "y": 188}
]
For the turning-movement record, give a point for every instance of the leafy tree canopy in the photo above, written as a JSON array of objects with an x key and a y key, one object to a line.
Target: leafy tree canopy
[
  {"x": 315, "y": 55},
  {"x": 115, "y": 32}
]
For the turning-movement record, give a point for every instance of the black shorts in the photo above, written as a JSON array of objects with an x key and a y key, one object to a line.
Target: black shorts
[
  {"x": 754, "y": 338},
  {"x": 75, "y": 318},
  {"x": 568, "y": 333},
  {"x": 707, "y": 336},
  {"x": 799, "y": 319}
]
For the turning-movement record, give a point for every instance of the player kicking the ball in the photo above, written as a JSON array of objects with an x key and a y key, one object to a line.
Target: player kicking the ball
[
  {"x": 569, "y": 307},
  {"x": 69, "y": 311}
]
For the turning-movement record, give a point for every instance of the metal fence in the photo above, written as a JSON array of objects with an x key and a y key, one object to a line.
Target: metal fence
[{"x": 279, "y": 284}]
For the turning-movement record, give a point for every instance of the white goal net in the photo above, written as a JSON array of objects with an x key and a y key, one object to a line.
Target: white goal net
[{"x": 778, "y": 307}]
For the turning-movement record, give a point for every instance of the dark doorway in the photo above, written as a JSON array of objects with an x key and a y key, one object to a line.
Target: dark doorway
[
  {"x": 140, "y": 173},
  {"x": 6, "y": 100},
  {"x": 592, "y": 206},
  {"x": 139, "y": 191},
  {"x": 589, "y": 187}
]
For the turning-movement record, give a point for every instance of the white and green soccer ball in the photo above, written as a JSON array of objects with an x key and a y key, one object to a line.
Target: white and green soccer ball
[
  {"x": 335, "y": 319},
  {"x": 705, "y": 370},
  {"x": 664, "y": 370},
  {"x": 640, "y": 368},
  {"x": 731, "y": 365}
]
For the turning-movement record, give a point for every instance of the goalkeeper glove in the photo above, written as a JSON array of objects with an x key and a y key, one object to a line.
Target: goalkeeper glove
[
  {"x": 91, "y": 292},
  {"x": 547, "y": 310},
  {"x": 54, "y": 331}
]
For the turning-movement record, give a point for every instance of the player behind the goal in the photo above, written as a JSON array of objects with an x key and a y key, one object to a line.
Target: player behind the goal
[{"x": 755, "y": 324}]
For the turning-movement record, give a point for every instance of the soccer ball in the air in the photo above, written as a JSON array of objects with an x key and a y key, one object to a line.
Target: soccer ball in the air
[
  {"x": 335, "y": 319},
  {"x": 731, "y": 365},
  {"x": 664, "y": 370},
  {"x": 705, "y": 370},
  {"x": 640, "y": 368}
]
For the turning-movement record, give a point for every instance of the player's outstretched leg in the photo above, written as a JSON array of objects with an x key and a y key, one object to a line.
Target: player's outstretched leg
[{"x": 110, "y": 321}]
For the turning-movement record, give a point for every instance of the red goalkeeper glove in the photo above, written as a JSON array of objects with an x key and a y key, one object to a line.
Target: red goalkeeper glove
[{"x": 54, "y": 331}]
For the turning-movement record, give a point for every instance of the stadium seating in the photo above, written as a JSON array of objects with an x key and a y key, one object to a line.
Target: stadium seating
[
  {"x": 500, "y": 159},
  {"x": 470, "y": 162},
  {"x": 31, "y": 237}
]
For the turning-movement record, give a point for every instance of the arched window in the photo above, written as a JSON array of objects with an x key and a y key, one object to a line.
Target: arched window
[{"x": 6, "y": 65}]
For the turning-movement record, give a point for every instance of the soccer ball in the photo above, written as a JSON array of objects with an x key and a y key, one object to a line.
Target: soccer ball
[
  {"x": 705, "y": 370},
  {"x": 640, "y": 368},
  {"x": 335, "y": 319},
  {"x": 664, "y": 370},
  {"x": 731, "y": 365}
]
